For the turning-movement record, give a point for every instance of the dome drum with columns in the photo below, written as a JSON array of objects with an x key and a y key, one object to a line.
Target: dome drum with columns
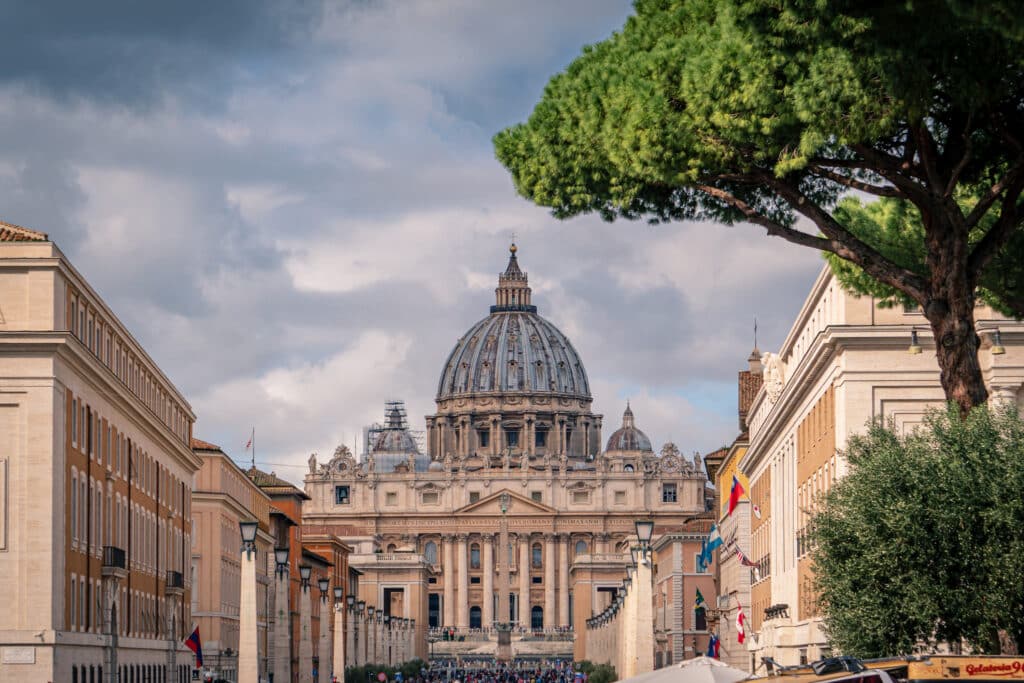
[{"x": 514, "y": 384}]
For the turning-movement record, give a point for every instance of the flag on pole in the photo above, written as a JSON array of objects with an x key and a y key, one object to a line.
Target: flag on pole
[
  {"x": 735, "y": 494},
  {"x": 713, "y": 646},
  {"x": 193, "y": 643},
  {"x": 741, "y": 633},
  {"x": 744, "y": 560},
  {"x": 248, "y": 444},
  {"x": 713, "y": 542},
  {"x": 700, "y": 602}
]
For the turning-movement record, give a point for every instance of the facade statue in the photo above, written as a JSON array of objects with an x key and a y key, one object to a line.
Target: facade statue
[{"x": 312, "y": 463}]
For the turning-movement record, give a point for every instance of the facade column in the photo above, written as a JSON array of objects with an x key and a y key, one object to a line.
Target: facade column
[
  {"x": 487, "y": 541},
  {"x": 305, "y": 636},
  {"x": 523, "y": 606},
  {"x": 564, "y": 618},
  {"x": 531, "y": 429},
  {"x": 549, "y": 581},
  {"x": 282, "y": 615},
  {"x": 338, "y": 656},
  {"x": 495, "y": 435},
  {"x": 556, "y": 435},
  {"x": 463, "y": 598},
  {"x": 448, "y": 571},
  {"x": 586, "y": 439}
]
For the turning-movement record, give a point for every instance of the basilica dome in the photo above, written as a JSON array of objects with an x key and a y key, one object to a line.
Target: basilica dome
[
  {"x": 628, "y": 437},
  {"x": 513, "y": 350}
]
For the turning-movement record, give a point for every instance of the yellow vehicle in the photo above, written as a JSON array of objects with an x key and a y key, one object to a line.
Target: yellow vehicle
[{"x": 917, "y": 669}]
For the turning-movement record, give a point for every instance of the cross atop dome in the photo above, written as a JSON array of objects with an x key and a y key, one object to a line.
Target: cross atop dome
[{"x": 513, "y": 291}]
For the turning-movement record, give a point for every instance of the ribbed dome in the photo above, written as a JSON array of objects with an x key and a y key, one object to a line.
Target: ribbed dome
[
  {"x": 628, "y": 437},
  {"x": 513, "y": 349}
]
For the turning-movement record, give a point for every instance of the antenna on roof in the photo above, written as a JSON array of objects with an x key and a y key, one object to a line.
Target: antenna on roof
[{"x": 755, "y": 331}]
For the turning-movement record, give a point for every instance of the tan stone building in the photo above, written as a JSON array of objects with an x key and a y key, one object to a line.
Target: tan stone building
[
  {"x": 515, "y": 449},
  {"x": 681, "y": 629},
  {"x": 844, "y": 362},
  {"x": 224, "y": 496},
  {"x": 95, "y": 484}
]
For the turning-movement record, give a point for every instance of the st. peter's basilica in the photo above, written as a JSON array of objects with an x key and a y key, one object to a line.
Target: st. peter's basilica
[{"x": 514, "y": 451}]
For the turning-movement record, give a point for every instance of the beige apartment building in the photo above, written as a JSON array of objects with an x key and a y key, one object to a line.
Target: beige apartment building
[
  {"x": 224, "y": 496},
  {"x": 95, "y": 484},
  {"x": 515, "y": 451},
  {"x": 844, "y": 362}
]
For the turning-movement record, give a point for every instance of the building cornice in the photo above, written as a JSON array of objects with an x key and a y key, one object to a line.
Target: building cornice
[{"x": 103, "y": 381}]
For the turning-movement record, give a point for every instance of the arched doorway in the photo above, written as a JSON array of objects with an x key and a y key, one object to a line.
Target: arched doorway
[
  {"x": 475, "y": 617},
  {"x": 537, "y": 617}
]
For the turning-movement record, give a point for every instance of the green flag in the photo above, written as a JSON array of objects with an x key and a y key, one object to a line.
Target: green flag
[{"x": 700, "y": 603}]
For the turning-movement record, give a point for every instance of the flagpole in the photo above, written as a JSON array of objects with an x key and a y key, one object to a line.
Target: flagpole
[{"x": 253, "y": 438}]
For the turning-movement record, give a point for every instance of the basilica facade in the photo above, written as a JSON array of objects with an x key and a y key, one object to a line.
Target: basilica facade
[{"x": 515, "y": 502}]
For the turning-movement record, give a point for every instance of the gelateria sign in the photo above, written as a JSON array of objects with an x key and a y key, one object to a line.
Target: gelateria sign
[{"x": 1012, "y": 668}]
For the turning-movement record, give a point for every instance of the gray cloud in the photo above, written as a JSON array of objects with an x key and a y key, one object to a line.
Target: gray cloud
[{"x": 299, "y": 215}]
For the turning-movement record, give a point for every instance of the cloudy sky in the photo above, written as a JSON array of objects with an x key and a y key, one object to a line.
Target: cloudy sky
[{"x": 296, "y": 208}]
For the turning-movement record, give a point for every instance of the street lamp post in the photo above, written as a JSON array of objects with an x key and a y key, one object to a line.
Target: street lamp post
[
  {"x": 338, "y": 656},
  {"x": 324, "y": 646},
  {"x": 361, "y": 651},
  {"x": 248, "y": 655},
  {"x": 282, "y": 643},
  {"x": 305, "y": 625},
  {"x": 371, "y": 635}
]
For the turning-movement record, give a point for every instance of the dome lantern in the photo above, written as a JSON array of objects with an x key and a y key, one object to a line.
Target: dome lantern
[{"x": 513, "y": 291}]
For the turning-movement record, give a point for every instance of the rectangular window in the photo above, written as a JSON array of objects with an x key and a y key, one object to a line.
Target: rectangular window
[
  {"x": 483, "y": 437},
  {"x": 430, "y": 498},
  {"x": 74, "y": 508},
  {"x": 341, "y": 495},
  {"x": 512, "y": 438},
  {"x": 74, "y": 422},
  {"x": 620, "y": 497},
  {"x": 537, "y": 579},
  {"x": 474, "y": 579},
  {"x": 697, "y": 566},
  {"x": 700, "y": 622},
  {"x": 580, "y": 496},
  {"x": 74, "y": 606},
  {"x": 474, "y": 496},
  {"x": 540, "y": 438},
  {"x": 391, "y": 498},
  {"x": 668, "y": 493}
]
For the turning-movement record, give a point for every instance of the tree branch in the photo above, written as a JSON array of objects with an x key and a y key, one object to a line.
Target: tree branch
[
  {"x": 1009, "y": 218},
  {"x": 898, "y": 172},
  {"x": 850, "y": 247},
  {"x": 928, "y": 154},
  {"x": 989, "y": 198},
  {"x": 773, "y": 228},
  {"x": 870, "y": 188}
]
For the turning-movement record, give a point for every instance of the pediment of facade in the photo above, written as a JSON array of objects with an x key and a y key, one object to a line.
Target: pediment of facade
[{"x": 519, "y": 505}]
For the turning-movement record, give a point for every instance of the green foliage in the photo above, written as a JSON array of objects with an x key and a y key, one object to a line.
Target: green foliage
[
  {"x": 894, "y": 227},
  {"x": 597, "y": 673},
  {"x": 706, "y": 90},
  {"x": 368, "y": 673},
  {"x": 921, "y": 542}
]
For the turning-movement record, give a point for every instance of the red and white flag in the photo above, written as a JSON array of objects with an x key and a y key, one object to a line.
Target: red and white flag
[
  {"x": 741, "y": 633},
  {"x": 248, "y": 444}
]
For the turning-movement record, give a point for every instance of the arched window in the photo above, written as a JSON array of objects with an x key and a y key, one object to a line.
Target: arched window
[
  {"x": 392, "y": 547},
  {"x": 475, "y": 616},
  {"x": 538, "y": 555},
  {"x": 474, "y": 556},
  {"x": 628, "y": 468},
  {"x": 581, "y": 547},
  {"x": 430, "y": 552},
  {"x": 537, "y": 617}
]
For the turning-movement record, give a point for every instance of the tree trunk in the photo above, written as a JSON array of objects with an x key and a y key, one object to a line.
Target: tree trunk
[{"x": 956, "y": 348}]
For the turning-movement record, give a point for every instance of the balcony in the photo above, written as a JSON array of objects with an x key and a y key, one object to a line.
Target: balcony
[
  {"x": 115, "y": 564},
  {"x": 175, "y": 584}
]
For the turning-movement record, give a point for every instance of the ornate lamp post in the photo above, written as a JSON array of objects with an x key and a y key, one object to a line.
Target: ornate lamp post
[
  {"x": 371, "y": 635},
  {"x": 305, "y": 625},
  {"x": 644, "y": 531},
  {"x": 362, "y": 651},
  {"x": 248, "y": 655}
]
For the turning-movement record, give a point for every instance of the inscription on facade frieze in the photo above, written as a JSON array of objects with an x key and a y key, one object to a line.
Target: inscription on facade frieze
[{"x": 513, "y": 523}]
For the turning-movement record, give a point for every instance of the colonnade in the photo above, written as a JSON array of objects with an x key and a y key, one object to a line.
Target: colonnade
[
  {"x": 458, "y": 565},
  {"x": 623, "y": 634},
  {"x": 373, "y": 638}
]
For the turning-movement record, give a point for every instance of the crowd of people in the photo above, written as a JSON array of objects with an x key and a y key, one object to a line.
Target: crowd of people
[{"x": 557, "y": 671}]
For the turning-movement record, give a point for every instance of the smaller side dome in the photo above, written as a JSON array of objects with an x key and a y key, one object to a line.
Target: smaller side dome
[
  {"x": 628, "y": 437},
  {"x": 435, "y": 466}
]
